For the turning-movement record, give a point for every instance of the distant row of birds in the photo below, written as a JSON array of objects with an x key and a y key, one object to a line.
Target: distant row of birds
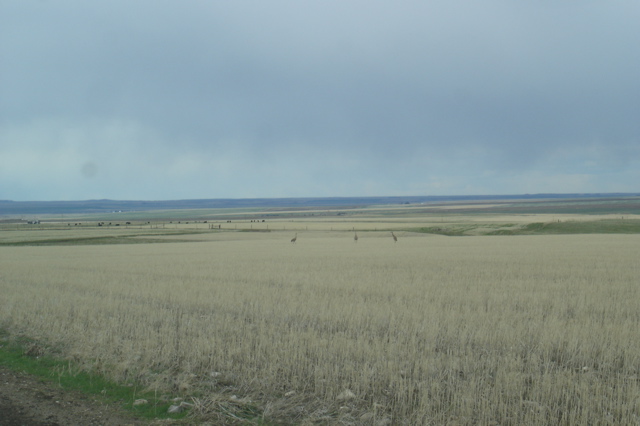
[{"x": 355, "y": 237}]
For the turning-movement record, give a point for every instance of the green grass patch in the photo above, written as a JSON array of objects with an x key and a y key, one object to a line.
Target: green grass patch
[
  {"x": 629, "y": 226},
  {"x": 90, "y": 241},
  {"x": 138, "y": 238},
  {"x": 27, "y": 357},
  {"x": 606, "y": 226},
  {"x": 81, "y": 241},
  {"x": 442, "y": 230}
]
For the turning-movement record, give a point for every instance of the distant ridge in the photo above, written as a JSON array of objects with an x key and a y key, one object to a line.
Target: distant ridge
[{"x": 8, "y": 207}]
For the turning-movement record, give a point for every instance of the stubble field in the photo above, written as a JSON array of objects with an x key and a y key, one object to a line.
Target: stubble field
[{"x": 531, "y": 329}]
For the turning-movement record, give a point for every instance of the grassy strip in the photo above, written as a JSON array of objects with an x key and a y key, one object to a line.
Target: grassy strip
[
  {"x": 627, "y": 226},
  {"x": 580, "y": 227},
  {"x": 21, "y": 357},
  {"x": 128, "y": 239},
  {"x": 94, "y": 241},
  {"x": 450, "y": 232}
]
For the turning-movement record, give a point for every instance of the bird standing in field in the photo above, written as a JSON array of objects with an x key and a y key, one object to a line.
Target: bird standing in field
[
  {"x": 294, "y": 239},
  {"x": 395, "y": 239}
]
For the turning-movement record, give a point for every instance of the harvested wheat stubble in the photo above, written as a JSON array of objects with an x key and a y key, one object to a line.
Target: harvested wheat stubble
[{"x": 535, "y": 329}]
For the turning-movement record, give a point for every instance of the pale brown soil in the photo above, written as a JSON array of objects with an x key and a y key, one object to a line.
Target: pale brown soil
[{"x": 28, "y": 401}]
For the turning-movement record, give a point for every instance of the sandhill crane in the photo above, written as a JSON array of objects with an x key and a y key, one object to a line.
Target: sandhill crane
[
  {"x": 355, "y": 237},
  {"x": 294, "y": 239},
  {"x": 395, "y": 239}
]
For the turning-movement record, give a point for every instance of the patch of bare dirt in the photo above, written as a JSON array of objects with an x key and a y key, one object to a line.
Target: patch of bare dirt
[{"x": 28, "y": 401}]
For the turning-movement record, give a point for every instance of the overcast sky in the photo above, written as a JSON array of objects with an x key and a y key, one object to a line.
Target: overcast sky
[{"x": 153, "y": 99}]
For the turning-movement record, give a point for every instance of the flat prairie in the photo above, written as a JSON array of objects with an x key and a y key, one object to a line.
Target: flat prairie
[{"x": 431, "y": 329}]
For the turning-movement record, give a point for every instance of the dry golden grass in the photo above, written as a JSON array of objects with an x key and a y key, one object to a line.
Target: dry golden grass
[{"x": 429, "y": 330}]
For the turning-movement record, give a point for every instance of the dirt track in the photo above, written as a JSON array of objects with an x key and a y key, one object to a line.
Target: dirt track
[{"x": 27, "y": 401}]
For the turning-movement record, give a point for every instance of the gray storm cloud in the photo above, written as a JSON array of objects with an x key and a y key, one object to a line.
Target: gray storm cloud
[{"x": 236, "y": 99}]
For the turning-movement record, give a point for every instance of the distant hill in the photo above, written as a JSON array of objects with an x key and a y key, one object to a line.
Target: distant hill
[{"x": 12, "y": 208}]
